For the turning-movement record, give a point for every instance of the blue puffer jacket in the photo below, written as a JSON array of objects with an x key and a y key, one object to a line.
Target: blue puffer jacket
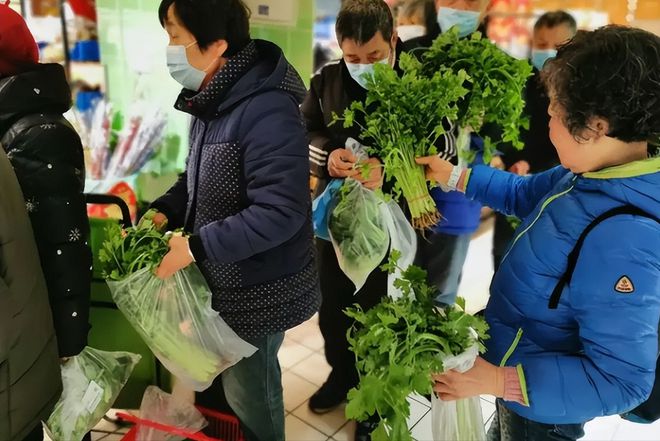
[{"x": 596, "y": 354}]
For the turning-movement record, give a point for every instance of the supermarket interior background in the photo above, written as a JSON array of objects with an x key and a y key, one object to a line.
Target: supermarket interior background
[{"x": 113, "y": 53}]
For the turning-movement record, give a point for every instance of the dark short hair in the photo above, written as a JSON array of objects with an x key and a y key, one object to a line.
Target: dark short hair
[
  {"x": 612, "y": 73},
  {"x": 424, "y": 8},
  {"x": 554, "y": 19},
  {"x": 212, "y": 20},
  {"x": 361, "y": 20}
]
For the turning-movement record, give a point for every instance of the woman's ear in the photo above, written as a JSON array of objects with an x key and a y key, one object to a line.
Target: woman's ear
[
  {"x": 218, "y": 48},
  {"x": 600, "y": 126}
]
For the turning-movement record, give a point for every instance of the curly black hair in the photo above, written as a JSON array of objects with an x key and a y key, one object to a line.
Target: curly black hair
[{"x": 612, "y": 73}]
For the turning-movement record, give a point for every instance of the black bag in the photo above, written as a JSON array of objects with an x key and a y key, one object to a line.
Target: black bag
[{"x": 649, "y": 411}]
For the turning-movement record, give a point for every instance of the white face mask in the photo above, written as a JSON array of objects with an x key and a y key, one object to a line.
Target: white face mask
[
  {"x": 180, "y": 69},
  {"x": 361, "y": 72},
  {"x": 408, "y": 32}
]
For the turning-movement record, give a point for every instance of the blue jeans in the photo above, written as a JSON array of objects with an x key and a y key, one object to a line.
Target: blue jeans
[
  {"x": 509, "y": 426},
  {"x": 253, "y": 388},
  {"x": 442, "y": 256}
]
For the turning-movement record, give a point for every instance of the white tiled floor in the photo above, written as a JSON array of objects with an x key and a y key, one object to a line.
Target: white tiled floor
[{"x": 305, "y": 369}]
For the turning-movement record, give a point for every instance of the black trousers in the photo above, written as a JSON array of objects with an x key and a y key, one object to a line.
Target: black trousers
[
  {"x": 338, "y": 294},
  {"x": 38, "y": 435}
]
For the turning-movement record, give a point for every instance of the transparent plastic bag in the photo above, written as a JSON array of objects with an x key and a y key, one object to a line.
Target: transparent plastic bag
[
  {"x": 175, "y": 319},
  {"x": 92, "y": 381},
  {"x": 403, "y": 239},
  {"x": 461, "y": 419},
  {"x": 163, "y": 408},
  {"x": 358, "y": 231}
]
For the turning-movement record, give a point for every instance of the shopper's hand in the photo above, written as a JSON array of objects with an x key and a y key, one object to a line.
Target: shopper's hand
[
  {"x": 483, "y": 379},
  {"x": 437, "y": 170},
  {"x": 156, "y": 217},
  {"x": 178, "y": 258},
  {"x": 341, "y": 164},
  {"x": 497, "y": 163},
  {"x": 374, "y": 174},
  {"x": 521, "y": 168}
]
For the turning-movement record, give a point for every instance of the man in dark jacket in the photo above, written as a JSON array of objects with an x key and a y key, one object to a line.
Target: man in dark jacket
[
  {"x": 30, "y": 382},
  {"x": 244, "y": 195},
  {"x": 550, "y": 31},
  {"x": 47, "y": 156}
]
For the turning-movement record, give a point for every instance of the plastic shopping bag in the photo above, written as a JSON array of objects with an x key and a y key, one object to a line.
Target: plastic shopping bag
[
  {"x": 358, "y": 231},
  {"x": 92, "y": 381},
  {"x": 322, "y": 207},
  {"x": 175, "y": 319},
  {"x": 402, "y": 239},
  {"x": 163, "y": 408},
  {"x": 461, "y": 419}
]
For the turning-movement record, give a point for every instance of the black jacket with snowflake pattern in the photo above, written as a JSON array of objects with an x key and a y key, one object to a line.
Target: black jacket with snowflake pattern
[
  {"x": 47, "y": 156},
  {"x": 245, "y": 193}
]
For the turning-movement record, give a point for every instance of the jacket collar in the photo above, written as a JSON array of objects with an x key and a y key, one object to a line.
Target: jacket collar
[{"x": 629, "y": 170}]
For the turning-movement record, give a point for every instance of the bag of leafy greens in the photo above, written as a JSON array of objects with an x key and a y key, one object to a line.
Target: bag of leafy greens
[
  {"x": 358, "y": 231},
  {"x": 91, "y": 382},
  {"x": 175, "y": 319},
  {"x": 461, "y": 419}
]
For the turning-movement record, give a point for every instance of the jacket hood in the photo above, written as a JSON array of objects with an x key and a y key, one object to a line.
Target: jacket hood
[
  {"x": 635, "y": 183},
  {"x": 272, "y": 71},
  {"x": 43, "y": 89}
]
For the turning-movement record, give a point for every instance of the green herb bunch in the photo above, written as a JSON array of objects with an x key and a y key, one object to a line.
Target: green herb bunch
[
  {"x": 404, "y": 118},
  {"x": 127, "y": 251},
  {"x": 399, "y": 344},
  {"x": 496, "y": 85}
]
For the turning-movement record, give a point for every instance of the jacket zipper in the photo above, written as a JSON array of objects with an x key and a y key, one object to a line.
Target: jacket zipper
[
  {"x": 512, "y": 348},
  {"x": 538, "y": 216}
]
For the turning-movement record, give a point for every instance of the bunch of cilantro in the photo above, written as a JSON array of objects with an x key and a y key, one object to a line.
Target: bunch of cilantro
[
  {"x": 494, "y": 104},
  {"x": 405, "y": 116},
  {"x": 399, "y": 344}
]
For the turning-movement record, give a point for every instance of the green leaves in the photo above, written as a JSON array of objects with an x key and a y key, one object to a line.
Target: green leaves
[
  {"x": 399, "y": 344},
  {"x": 495, "y": 84},
  {"x": 127, "y": 251}
]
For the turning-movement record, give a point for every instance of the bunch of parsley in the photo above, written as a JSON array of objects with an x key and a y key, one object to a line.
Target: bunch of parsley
[
  {"x": 399, "y": 344},
  {"x": 496, "y": 83}
]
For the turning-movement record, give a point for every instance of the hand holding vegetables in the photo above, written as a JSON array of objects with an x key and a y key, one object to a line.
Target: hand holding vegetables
[
  {"x": 341, "y": 164},
  {"x": 483, "y": 379},
  {"x": 178, "y": 258}
]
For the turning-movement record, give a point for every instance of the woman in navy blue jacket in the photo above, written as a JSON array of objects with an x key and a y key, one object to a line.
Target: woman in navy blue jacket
[
  {"x": 244, "y": 195},
  {"x": 564, "y": 350}
]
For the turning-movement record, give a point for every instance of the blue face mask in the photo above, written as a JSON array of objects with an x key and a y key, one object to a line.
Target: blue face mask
[
  {"x": 180, "y": 69},
  {"x": 361, "y": 72},
  {"x": 541, "y": 56},
  {"x": 466, "y": 21}
]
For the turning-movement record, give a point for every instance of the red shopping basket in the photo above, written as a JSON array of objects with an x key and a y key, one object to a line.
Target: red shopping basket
[{"x": 221, "y": 427}]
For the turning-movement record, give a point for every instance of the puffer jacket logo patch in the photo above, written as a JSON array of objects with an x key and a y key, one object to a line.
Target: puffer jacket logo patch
[{"x": 624, "y": 285}]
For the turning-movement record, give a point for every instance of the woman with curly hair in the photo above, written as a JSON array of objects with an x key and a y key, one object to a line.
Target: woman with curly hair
[{"x": 575, "y": 305}]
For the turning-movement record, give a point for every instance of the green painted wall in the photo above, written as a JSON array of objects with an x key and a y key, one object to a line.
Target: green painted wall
[{"x": 133, "y": 53}]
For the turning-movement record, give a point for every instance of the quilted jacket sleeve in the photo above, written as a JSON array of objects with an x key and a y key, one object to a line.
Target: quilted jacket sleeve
[
  {"x": 619, "y": 330},
  {"x": 509, "y": 193}
]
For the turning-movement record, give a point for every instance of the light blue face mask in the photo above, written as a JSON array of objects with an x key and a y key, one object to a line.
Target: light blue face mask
[
  {"x": 466, "y": 21},
  {"x": 541, "y": 56},
  {"x": 361, "y": 72},
  {"x": 180, "y": 69}
]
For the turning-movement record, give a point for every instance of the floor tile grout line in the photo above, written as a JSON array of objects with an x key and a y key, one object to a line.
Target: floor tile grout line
[
  {"x": 420, "y": 420},
  {"x": 307, "y": 424},
  {"x": 299, "y": 361}
]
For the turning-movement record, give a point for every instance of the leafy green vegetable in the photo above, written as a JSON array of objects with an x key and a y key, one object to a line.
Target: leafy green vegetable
[
  {"x": 128, "y": 251},
  {"x": 495, "y": 82},
  {"x": 399, "y": 344},
  {"x": 92, "y": 381},
  {"x": 405, "y": 116},
  {"x": 358, "y": 231}
]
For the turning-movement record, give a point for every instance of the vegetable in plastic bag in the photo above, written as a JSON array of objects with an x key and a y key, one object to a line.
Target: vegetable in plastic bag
[
  {"x": 92, "y": 381},
  {"x": 461, "y": 419},
  {"x": 163, "y": 408},
  {"x": 175, "y": 319},
  {"x": 358, "y": 231}
]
